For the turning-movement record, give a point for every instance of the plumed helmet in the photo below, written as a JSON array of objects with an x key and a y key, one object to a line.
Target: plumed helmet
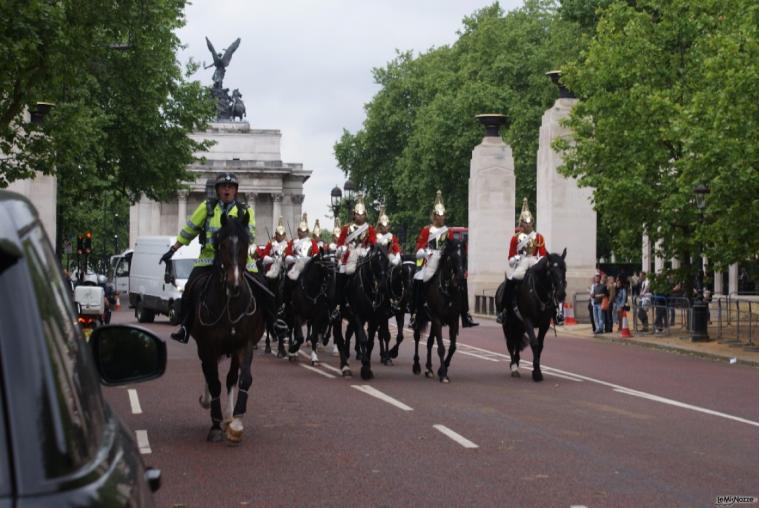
[
  {"x": 336, "y": 228},
  {"x": 525, "y": 217},
  {"x": 439, "y": 208},
  {"x": 280, "y": 227},
  {"x": 383, "y": 220},
  {"x": 303, "y": 225},
  {"x": 317, "y": 231},
  {"x": 360, "y": 208},
  {"x": 226, "y": 178}
]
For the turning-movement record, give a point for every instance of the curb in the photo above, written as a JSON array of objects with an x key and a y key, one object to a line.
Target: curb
[{"x": 631, "y": 341}]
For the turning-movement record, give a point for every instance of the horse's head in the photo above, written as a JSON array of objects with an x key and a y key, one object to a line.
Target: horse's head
[
  {"x": 231, "y": 248},
  {"x": 452, "y": 262},
  {"x": 557, "y": 271},
  {"x": 379, "y": 266}
]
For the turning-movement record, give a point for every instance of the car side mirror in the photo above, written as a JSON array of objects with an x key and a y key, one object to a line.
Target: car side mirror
[{"x": 127, "y": 354}]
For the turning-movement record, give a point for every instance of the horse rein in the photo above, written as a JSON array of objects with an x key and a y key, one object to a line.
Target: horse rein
[{"x": 248, "y": 310}]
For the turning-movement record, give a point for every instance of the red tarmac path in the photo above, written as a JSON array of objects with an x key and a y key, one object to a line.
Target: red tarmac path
[{"x": 589, "y": 435}]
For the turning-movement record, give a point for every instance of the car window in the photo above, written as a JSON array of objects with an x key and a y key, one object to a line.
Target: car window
[
  {"x": 76, "y": 405},
  {"x": 122, "y": 269}
]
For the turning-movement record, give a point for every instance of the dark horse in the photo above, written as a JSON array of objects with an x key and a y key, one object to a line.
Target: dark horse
[
  {"x": 442, "y": 295},
  {"x": 539, "y": 295},
  {"x": 364, "y": 292},
  {"x": 311, "y": 302},
  {"x": 228, "y": 321},
  {"x": 400, "y": 283}
]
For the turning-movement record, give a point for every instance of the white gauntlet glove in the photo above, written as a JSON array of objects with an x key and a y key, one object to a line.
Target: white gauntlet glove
[
  {"x": 289, "y": 260},
  {"x": 421, "y": 254},
  {"x": 514, "y": 260}
]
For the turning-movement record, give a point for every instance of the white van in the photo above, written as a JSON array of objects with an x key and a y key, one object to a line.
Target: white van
[{"x": 157, "y": 288}]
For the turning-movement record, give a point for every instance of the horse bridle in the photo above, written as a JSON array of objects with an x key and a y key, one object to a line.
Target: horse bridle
[
  {"x": 379, "y": 297},
  {"x": 324, "y": 285},
  {"x": 552, "y": 293}
]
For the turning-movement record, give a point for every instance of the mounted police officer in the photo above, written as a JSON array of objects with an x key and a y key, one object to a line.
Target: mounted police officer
[
  {"x": 205, "y": 221},
  {"x": 429, "y": 245}
]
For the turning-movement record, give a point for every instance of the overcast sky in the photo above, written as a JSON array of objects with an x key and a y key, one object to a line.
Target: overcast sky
[{"x": 304, "y": 66}]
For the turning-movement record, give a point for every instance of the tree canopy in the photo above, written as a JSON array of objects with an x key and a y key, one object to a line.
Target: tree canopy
[
  {"x": 669, "y": 100},
  {"x": 123, "y": 105},
  {"x": 420, "y": 129}
]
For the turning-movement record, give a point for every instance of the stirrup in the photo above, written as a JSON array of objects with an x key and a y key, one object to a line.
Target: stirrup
[{"x": 181, "y": 335}]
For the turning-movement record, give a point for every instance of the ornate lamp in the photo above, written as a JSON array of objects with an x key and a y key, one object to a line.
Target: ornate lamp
[
  {"x": 335, "y": 197},
  {"x": 348, "y": 188},
  {"x": 493, "y": 123}
]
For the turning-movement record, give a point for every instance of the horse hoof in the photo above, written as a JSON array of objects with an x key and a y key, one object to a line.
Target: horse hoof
[
  {"x": 215, "y": 435},
  {"x": 234, "y": 430},
  {"x": 366, "y": 373},
  {"x": 445, "y": 379},
  {"x": 347, "y": 372},
  {"x": 281, "y": 354},
  {"x": 393, "y": 353},
  {"x": 514, "y": 370},
  {"x": 205, "y": 404},
  {"x": 388, "y": 362},
  {"x": 314, "y": 363},
  {"x": 537, "y": 376},
  {"x": 417, "y": 369},
  {"x": 429, "y": 374},
  {"x": 267, "y": 350},
  {"x": 515, "y": 373},
  {"x": 292, "y": 357}
]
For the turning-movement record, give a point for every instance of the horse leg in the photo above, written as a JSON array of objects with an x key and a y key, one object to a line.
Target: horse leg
[
  {"x": 297, "y": 340},
  {"x": 362, "y": 343},
  {"x": 342, "y": 347},
  {"x": 399, "y": 321},
  {"x": 232, "y": 375},
  {"x": 442, "y": 371},
  {"x": 454, "y": 331},
  {"x": 385, "y": 339},
  {"x": 417, "y": 369},
  {"x": 245, "y": 361},
  {"x": 205, "y": 398},
  {"x": 430, "y": 339},
  {"x": 211, "y": 373},
  {"x": 512, "y": 343},
  {"x": 267, "y": 350},
  {"x": 314, "y": 339},
  {"x": 537, "y": 350}
]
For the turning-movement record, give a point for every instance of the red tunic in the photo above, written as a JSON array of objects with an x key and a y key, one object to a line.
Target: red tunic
[
  {"x": 313, "y": 251},
  {"x": 424, "y": 237},
  {"x": 370, "y": 236},
  {"x": 538, "y": 250}
]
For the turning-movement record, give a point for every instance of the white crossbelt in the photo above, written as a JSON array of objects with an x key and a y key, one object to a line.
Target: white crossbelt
[{"x": 358, "y": 232}]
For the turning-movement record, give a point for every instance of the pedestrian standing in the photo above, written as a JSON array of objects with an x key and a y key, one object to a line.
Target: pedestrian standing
[
  {"x": 597, "y": 293},
  {"x": 620, "y": 301},
  {"x": 609, "y": 318}
]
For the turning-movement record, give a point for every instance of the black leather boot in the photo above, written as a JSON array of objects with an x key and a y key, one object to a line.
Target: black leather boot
[{"x": 467, "y": 321}]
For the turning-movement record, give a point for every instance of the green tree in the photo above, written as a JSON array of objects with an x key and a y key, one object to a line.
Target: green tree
[
  {"x": 420, "y": 129},
  {"x": 669, "y": 101},
  {"x": 123, "y": 104}
]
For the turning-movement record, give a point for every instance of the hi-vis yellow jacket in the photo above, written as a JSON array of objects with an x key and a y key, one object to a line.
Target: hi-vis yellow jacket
[{"x": 205, "y": 219}]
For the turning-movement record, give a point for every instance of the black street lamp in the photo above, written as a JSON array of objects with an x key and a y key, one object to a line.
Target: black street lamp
[
  {"x": 348, "y": 188},
  {"x": 700, "y": 307},
  {"x": 335, "y": 198}
]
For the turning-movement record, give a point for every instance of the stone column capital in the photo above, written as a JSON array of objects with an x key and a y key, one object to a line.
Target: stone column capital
[
  {"x": 182, "y": 194},
  {"x": 277, "y": 197},
  {"x": 297, "y": 198}
]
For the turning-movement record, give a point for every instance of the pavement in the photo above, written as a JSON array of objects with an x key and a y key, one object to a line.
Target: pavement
[{"x": 675, "y": 343}]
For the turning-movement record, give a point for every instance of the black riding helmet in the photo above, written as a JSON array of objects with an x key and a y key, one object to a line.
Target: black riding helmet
[{"x": 226, "y": 178}]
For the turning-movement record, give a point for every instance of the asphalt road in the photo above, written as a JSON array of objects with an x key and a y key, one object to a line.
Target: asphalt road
[{"x": 611, "y": 425}]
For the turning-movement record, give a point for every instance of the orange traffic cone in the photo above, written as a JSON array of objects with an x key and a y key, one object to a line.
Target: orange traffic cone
[
  {"x": 569, "y": 315},
  {"x": 625, "y": 327},
  {"x": 118, "y": 301}
]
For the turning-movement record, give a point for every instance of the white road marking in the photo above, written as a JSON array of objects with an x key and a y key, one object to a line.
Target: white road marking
[
  {"x": 548, "y": 371},
  {"x": 478, "y": 356},
  {"x": 455, "y": 436},
  {"x": 325, "y": 365},
  {"x": 627, "y": 391},
  {"x": 134, "y": 401},
  {"x": 671, "y": 402},
  {"x": 318, "y": 371},
  {"x": 381, "y": 396},
  {"x": 142, "y": 441}
]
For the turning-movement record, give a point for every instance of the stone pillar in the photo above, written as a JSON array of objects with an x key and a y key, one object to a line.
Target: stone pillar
[
  {"x": 492, "y": 199},
  {"x": 42, "y": 191},
  {"x": 646, "y": 254},
  {"x": 181, "y": 209},
  {"x": 276, "y": 210},
  {"x": 296, "y": 209},
  {"x": 718, "y": 290},
  {"x": 564, "y": 210},
  {"x": 732, "y": 288},
  {"x": 658, "y": 259}
]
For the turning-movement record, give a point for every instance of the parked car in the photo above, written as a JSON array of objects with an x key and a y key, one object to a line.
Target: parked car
[
  {"x": 60, "y": 442},
  {"x": 157, "y": 288}
]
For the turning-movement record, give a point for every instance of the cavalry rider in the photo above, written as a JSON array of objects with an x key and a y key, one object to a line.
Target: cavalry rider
[
  {"x": 355, "y": 239},
  {"x": 429, "y": 245},
  {"x": 526, "y": 248},
  {"x": 316, "y": 234},
  {"x": 205, "y": 221},
  {"x": 386, "y": 238},
  {"x": 332, "y": 247},
  {"x": 273, "y": 252},
  {"x": 299, "y": 251}
]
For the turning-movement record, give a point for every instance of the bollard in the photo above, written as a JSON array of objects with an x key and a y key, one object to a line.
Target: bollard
[
  {"x": 569, "y": 314},
  {"x": 698, "y": 320}
]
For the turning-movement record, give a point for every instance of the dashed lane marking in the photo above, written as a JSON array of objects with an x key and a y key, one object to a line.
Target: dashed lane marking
[
  {"x": 134, "y": 401},
  {"x": 478, "y": 356},
  {"x": 383, "y": 397},
  {"x": 318, "y": 371},
  {"x": 321, "y": 364},
  {"x": 142, "y": 441},
  {"x": 455, "y": 436}
]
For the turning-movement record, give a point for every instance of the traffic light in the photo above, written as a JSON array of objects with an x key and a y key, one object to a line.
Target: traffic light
[
  {"x": 80, "y": 245},
  {"x": 87, "y": 242}
]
